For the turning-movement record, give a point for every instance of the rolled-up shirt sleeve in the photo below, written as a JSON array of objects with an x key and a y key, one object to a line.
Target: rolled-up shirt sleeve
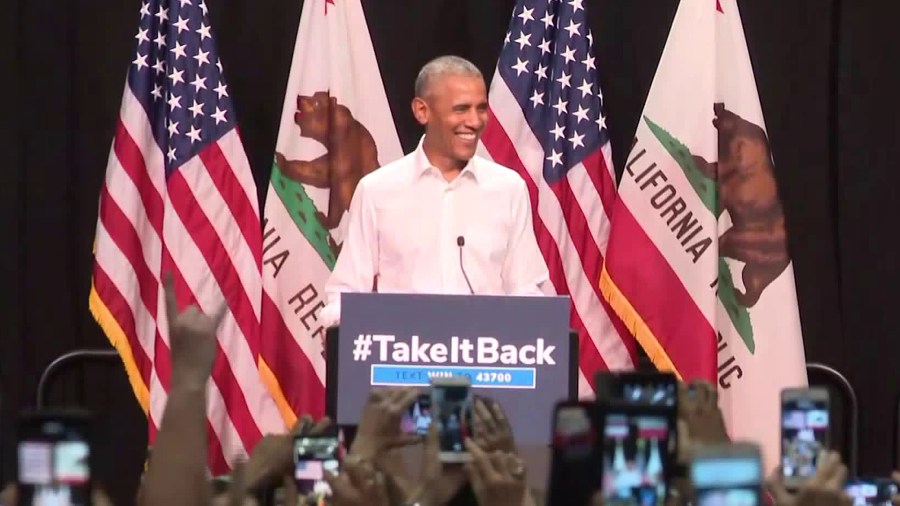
[
  {"x": 357, "y": 263},
  {"x": 524, "y": 270}
]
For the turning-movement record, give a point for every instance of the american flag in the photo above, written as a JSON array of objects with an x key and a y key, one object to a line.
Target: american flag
[
  {"x": 547, "y": 123},
  {"x": 179, "y": 197}
]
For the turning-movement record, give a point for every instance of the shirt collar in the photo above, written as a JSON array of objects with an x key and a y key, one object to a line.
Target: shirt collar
[{"x": 421, "y": 164}]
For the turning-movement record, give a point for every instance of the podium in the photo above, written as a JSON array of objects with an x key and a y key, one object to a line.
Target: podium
[{"x": 519, "y": 351}]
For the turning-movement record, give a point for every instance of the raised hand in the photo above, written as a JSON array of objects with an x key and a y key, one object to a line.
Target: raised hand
[
  {"x": 379, "y": 426},
  {"x": 492, "y": 430},
  {"x": 358, "y": 484},
  {"x": 273, "y": 456},
  {"x": 698, "y": 406},
  {"x": 826, "y": 488},
  {"x": 497, "y": 478},
  {"x": 192, "y": 339}
]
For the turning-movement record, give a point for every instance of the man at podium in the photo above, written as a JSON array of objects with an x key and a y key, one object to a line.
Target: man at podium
[{"x": 441, "y": 219}]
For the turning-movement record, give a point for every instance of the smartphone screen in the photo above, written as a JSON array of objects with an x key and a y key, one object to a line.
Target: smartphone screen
[
  {"x": 871, "y": 491},
  {"x": 641, "y": 389},
  {"x": 453, "y": 405},
  {"x": 54, "y": 461},
  {"x": 727, "y": 480},
  {"x": 313, "y": 456},
  {"x": 634, "y": 452},
  {"x": 573, "y": 475},
  {"x": 650, "y": 391},
  {"x": 804, "y": 435},
  {"x": 417, "y": 417},
  {"x": 573, "y": 432}
]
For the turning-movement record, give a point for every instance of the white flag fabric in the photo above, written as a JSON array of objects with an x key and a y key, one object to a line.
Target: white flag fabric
[
  {"x": 336, "y": 126},
  {"x": 698, "y": 265}
]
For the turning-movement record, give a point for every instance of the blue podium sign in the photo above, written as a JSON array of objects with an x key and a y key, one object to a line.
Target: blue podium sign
[{"x": 515, "y": 350}]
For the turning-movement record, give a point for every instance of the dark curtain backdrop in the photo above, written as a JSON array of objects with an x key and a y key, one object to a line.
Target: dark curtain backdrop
[{"x": 827, "y": 75}]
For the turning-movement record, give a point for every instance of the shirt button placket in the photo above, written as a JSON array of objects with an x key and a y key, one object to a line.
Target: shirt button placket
[{"x": 446, "y": 218}]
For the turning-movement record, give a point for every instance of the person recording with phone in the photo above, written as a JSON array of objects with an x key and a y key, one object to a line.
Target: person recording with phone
[{"x": 441, "y": 219}]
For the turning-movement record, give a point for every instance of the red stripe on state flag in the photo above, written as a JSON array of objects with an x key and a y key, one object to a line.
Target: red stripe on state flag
[
  {"x": 120, "y": 310},
  {"x": 242, "y": 210},
  {"x": 132, "y": 160},
  {"x": 644, "y": 277},
  {"x": 289, "y": 364}
]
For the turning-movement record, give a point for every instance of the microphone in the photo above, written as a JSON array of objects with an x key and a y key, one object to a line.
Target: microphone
[{"x": 461, "y": 241}]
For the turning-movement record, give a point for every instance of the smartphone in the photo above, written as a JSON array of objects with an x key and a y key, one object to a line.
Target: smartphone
[
  {"x": 639, "y": 388},
  {"x": 804, "y": 432},
  {"x": 313, "y": 456},
  {"x": 573, "y": 461},
  {"x": 871, "y": 491},
  {"x": 417, "y": 418},
  {"x": 727, "y": 475},
  {"x": 636, "y": 448},
  {"x": 54, "y": 458},
  {"x": 451, "y": 405}
]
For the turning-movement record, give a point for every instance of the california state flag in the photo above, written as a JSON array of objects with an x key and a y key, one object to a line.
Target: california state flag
[
  {"x": 698, "y": 265},
  {"x": 336, "y": 126}
]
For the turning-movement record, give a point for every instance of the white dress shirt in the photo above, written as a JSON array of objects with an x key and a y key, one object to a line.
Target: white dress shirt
[{"x": 404, "y": 223}]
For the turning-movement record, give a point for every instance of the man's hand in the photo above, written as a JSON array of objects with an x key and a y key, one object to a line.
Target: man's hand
[
  {"x": 431, "y": 481},
  {"x": 9, "y": 495},
  {"x": 826, "y": 488},
  {"x": 177, "y": 470},
  {"x": 698, "y": 406},
  {"x": 379, "y": 425},
  {"x": 237, "y": 489},
  {"x": 358, "y": 484},
  {"x": 492, "y": 430},
  {"x": 895, "y": 501},
  {"x": 497, "y": 478},
  {"x": 273, "y": 455},
  {"x": 192, "y": 339}
]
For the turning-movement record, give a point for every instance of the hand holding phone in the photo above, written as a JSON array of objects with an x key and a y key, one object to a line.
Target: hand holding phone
[
  {"x": 871, "y": 491},
  {"x": 417, "y": 417},
  {"x": 804, "y": 433},
  {"x": 727, "y": 475},
  {"x": 636, "y": 449},
  {"x": 452, "y": 404},
  {"x": 313, "y": 457},
  {"x": 381, "y": 424},
  {"x": 54, "y": 461},
  {"x": 638, "y": 388},
  {"x": 698, "y": 406},
  {"x": 573, "y": 465}
]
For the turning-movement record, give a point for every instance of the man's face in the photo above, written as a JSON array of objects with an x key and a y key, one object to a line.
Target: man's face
[{"x": 456, "y": 115}]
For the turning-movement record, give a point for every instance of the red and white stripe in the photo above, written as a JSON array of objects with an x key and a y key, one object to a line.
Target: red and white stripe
[
  {"x": 571, "y": 225},
  {"x": 203, "y": 226}
]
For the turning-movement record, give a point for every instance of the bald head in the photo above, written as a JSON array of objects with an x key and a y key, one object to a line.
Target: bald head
[{"x": 441, "y": 66}]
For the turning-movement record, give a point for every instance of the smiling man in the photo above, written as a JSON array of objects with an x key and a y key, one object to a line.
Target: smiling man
[{"x": 441, "y": 219}]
